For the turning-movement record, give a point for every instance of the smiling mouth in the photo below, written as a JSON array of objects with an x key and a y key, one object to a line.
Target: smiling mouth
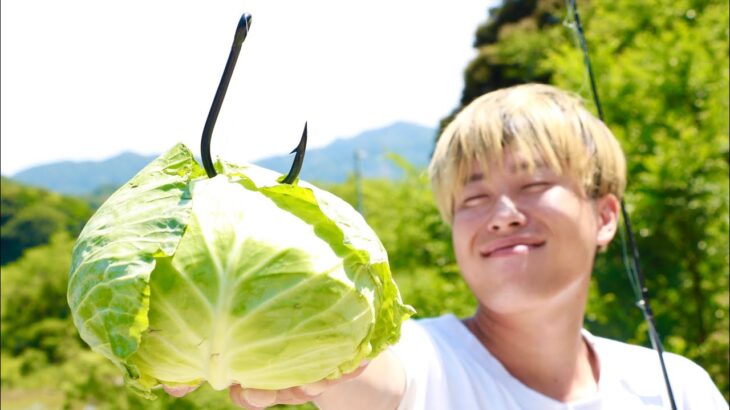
[{"x": 515, "y": 249}]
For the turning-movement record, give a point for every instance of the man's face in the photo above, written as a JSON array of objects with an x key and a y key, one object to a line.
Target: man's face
[{"x": 523, "y": 239}]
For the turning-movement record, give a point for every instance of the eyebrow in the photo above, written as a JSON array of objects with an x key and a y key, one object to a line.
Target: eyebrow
[
  {"x": 523, "y": 166},
  {"x": 477, "y": 176}
]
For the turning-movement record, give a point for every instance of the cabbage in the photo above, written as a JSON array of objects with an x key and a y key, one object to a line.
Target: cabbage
[{"x": 180, "y": 279}]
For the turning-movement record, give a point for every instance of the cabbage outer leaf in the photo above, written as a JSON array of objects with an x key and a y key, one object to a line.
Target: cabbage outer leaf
[
  {"x": 350, "y": 236},
  {"x": 108, "y": 290}
]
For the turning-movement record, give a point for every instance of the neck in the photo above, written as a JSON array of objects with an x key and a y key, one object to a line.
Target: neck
[{"x": 543, "y": 347}]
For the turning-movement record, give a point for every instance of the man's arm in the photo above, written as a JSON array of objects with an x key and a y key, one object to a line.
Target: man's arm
[{"x": 379, "y": 387}]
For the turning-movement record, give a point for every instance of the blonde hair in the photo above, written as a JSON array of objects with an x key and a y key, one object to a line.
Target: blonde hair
[{"x": 540, "y": 123}]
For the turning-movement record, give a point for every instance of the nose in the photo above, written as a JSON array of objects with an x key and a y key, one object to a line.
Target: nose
[{"x": 506, "y": 216}]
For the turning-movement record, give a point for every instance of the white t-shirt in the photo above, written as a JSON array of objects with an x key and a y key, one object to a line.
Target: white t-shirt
[{"x": 448, "y": 368}]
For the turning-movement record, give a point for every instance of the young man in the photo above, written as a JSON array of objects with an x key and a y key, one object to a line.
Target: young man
[{"x": 530, "y": 182}]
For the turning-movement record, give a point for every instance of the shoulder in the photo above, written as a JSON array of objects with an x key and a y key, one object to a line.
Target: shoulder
[
  {"x": 643, "y": 358},
  {"x": 439, "y": 333},
  {"x": 420, "y": 337},
  {"x": 435, "y": 356},
  {"x": 425, "y": 327},
  {"x": 638, "y": 370}
]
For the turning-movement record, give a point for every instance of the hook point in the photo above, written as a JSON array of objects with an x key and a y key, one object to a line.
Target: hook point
[{"x": 296, "y": 166}]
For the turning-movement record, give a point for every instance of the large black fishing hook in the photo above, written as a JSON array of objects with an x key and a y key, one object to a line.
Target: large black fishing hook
[
  {"x": 244, "y": 25},
  {"x": 633, "y": 269}
]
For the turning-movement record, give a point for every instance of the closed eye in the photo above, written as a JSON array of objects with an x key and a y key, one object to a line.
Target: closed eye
[
  {"x": 536, "y": 186},
  {"x": 474, "y": 200}
]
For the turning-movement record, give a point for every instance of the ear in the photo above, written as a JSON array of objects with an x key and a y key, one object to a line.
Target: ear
[{"x": 607, "y": 211}]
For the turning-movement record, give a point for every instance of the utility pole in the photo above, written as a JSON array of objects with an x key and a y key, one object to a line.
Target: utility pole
[{"x": 359, "y": 154}]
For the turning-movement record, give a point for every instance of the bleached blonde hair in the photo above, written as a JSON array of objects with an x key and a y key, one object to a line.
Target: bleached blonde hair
[{"x": 539, "y": 122}]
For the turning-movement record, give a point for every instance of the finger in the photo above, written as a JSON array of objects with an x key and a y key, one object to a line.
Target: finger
[
  {"x": 238, "y": 397},
  {"x": 258, "y": 399},
  {"x": 235, "y": 392},
  {"x": 292, "y": 395},
  {"x": 356, "y": 372},
  {"x": 315, "y": 389},
  {"x": 179, "y": 391}
]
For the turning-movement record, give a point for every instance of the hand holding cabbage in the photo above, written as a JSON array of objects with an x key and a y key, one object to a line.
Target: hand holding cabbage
[
  {"x": 238, "y": 279},
  {"x": 254, "y": 399}
]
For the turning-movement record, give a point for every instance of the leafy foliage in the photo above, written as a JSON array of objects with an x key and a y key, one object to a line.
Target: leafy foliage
[
  {"x": 666, "y": 99},
  {"x": 509, "y": 45},
  {"x": 662, "y": 75},
  {"x": 30, "y": 216}
]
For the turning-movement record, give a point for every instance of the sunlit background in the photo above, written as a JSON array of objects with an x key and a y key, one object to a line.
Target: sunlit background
[
  {"x": 110, "y": 85},
  {"x": 84, "y": 79}
]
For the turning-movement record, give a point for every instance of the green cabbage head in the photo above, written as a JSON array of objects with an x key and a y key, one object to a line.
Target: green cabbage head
[{"x": 179, "y": 279}]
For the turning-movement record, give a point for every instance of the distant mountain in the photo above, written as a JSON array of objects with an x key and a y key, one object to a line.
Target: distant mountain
[
  {"x": 336, "y": 161},
  {"x": 84, "y": 177},
  {"x": 331, "y": 163}
]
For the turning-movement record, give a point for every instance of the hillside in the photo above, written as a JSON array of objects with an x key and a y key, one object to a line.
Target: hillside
[
  {"x": 84, "y": 177},
  {"x": 336, "y": 161},
  {"x": 31, "y": 216},
  {"x": 331, "y": 163}
]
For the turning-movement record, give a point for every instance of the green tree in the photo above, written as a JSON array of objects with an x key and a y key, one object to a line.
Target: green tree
[
  {"x": 666, "y": 99},
  {"x": 30, "y": 216},
  {"x": 34, "y": 309},
  {"x": 662, "y": 74},
  {"x": 501, "y": 61}
]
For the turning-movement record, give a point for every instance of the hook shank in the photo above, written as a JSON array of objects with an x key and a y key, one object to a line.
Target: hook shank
[{"x": 241, "y": 31}]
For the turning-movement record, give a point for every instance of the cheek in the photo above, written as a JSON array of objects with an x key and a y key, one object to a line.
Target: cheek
[
  {"x": 568, "y": 215},
  {"x": 576, "y": 222},
  {"x": 457, "y": 237},
  {"x": 559, "y": 205},
  {"x": 462, "y": 235},
  {"x": 558, "y": 200}
]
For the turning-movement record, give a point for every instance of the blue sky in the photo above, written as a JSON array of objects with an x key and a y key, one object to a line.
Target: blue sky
[{"x": 85, "y": 79}]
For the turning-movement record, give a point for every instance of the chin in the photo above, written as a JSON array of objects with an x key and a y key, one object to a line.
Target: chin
[
  {"x": 509, "y": 301},
  {"x": 510, "y": 306}
]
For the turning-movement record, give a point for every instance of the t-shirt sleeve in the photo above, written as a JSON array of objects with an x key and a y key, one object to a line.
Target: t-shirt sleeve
[
  {"x": 704, "y": 394},
  {"x": 712, "y": 393},
  {"x": 416, "y": 354},
  {"x": 698, "y": 391}
]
